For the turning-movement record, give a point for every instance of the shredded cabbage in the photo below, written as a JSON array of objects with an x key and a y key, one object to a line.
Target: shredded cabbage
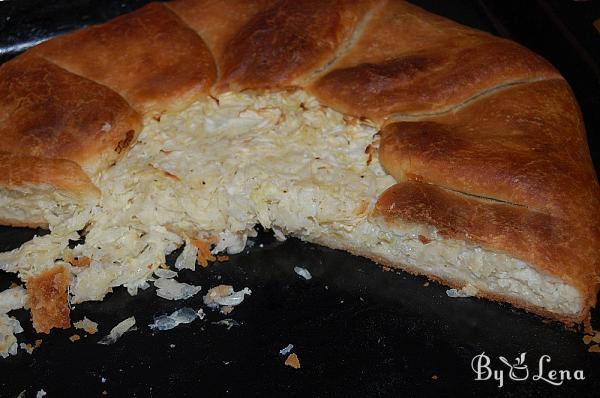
[{"x": 215, "y": 170}]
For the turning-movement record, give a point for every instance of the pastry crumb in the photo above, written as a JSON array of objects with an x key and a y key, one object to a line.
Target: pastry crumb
[
  {"x": 293, "y": 361},
  {"x": 204, "y": 255},
  {"x": 594, "y": 348},
  {"x": 49, "y": 299},
  {"x": 87, "y": 325},
  {"x": 226, "y": 309},
  {"x": 30, "y": 347},
  {"x": 27, "y": 347},
  {"x": 74, "y": 338},
  {"x": 424, "y": 240}
]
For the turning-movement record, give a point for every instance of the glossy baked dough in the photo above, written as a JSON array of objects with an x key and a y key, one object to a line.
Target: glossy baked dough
[{"x": 484, "y": 138}]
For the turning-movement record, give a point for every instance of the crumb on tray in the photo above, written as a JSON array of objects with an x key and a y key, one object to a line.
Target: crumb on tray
[
  {"x": 87, "y": 325},
  {"x": 293, "y": 361}
]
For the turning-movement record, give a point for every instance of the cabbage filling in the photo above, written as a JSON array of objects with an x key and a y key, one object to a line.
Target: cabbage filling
[{"x": 214, "y": 171}]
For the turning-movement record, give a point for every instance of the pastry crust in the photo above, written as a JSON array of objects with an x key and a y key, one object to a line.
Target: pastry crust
[
  {"x": 458, "y": 284},
  {"x": 523, "y": 144},
  {"x": 282, "y": 45},
  {"x": 50, "y": 113},
  {"x": 17, "y": 171},
  {"x": 149, "y": 56},
  {"x": 218, "y": 21},
  {"x": 411, "y": 62}
]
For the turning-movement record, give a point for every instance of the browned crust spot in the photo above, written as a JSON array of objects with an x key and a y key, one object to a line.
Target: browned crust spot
[
  {"x": 48, "y": 299},
  {"x": 204, "y": 255},
  {"x": 293, "y": 361},
  {"x": 149, "y": 56},
  {"x": 282, "y": 44},
  {"x": 48, "y": 112}
]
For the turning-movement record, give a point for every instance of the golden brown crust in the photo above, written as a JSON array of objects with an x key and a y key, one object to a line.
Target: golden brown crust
[
  {"x": 282, "y": 45},
  {"x": 48, "y": 112},
  {"x": 524, "y": 144},
  {"x": 18, "y": 171},
  {"x": 49, "y": 300},
  {"x": 561, "y": 248},
  {"x": 148, "y": 56},
  {"x": 217, "y": 21},
  {"x": 30, "y": 222},
  {"x": 409, "y": 61}
]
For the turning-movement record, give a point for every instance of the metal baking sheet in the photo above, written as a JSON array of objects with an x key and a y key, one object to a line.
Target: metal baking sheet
[{"x": 358, "y": 330}]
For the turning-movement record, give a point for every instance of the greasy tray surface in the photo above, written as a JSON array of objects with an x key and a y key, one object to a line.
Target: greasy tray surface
[{"x": 357, "y": 329}]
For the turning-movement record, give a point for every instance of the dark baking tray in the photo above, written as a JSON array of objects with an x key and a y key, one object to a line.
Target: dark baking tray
[{"x": 358, "y": 330}]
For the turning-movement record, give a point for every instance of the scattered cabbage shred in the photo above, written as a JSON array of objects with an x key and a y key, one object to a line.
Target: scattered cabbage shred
[
  {"x": 224, "y": 296},
  {"x": 8, "y": 342},
  {"x": 87, "y": 325},
  {"x": 287, "y": 349},
  {"x": 303, "y": 272},
  {"x": 467, "y": 291},
  {"x": 12, "y": 299},
  {"x": 167, "y": 322},
  {"x": 170, "y": 289},
  {"x": 118, "y": 331},
  {"x": 165, "y": 273}
]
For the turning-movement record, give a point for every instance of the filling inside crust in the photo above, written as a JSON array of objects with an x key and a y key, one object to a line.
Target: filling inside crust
[
  {"x": 216, "y": 170},
  {"x": 39, "y": 204}
]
